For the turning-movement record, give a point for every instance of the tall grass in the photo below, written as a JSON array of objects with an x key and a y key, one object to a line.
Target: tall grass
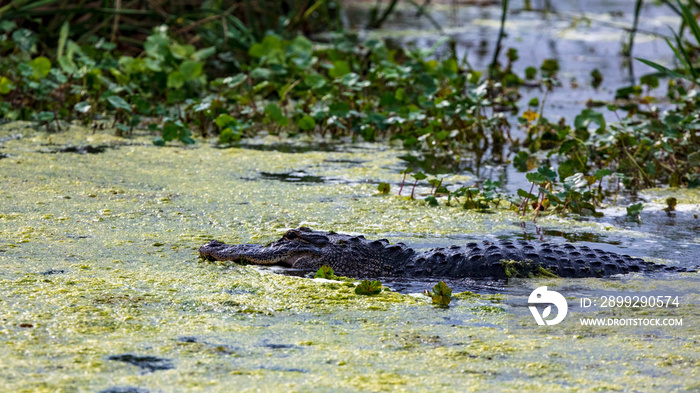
[
  {"x": 687, "y": 69},
  {"x": 226, "y": 24}
]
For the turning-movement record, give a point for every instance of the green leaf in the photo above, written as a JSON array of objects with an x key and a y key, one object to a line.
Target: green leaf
[
  {"x": 204, "y": 53},
  {"x": 664, "y": 70},
  {"x": 601, "y": 173},
  {"x": 520, "y": 161},
  {"x": 588, "y": 116},
  {"x": 306, "y": 123},
  {"x": 548, "y": 173},
  {"x": 694, "y": 159},
  {"x": 442, "y": 294},
  {"x": 340, "y": 68},
  {"x": 269, "y": 50},
  {"x": 549, "y": 67},
  {"x": 650, "y": 80},
  {"x": 368, "y": 288},
  {"x": 170, "y": 131},
  {"x": 530, "y": 73},
  {"x": 635, "y": 210},
  {"x": 190, "y": 70},
  {"x": 187, "y": 140},
  {"x": 7, "y": 26},
  {"x": 419, "y": 176},
  {"x": 142, "y": 105},
  {"x": 223, "y": 120},
  {"x": 261, "y": 73},
  {"x": 689, "y": 19},
  {"x": 524, "y": 194},
  {"x": 158, "y": 141},
  {"x": 119, "y": 103},
  {"x": 228, "y": 136},
  {"x": 535, "y": 177},
  {"x": 6, "y": 85},
  {"x": 25, "y": 40},
  {"x": 339, "y": 109},
  {"x": 315, "y": 81},
  {"x": 40, "y": 67},
  {"x": 157, "y": 46},
  {"x": 181, "y": 51},
  {"x": 384, "y": 188},
  {"x": 62, "y": 37},
  {"x": 576, "y": 180},
  {"x": 175, "y": 80},
  {"x": 268, "y": 43},
  {"x": 301, "y": 46},
  {"x": 273, "y": 111},
  {"x": 45, "y": 116},
  {"x": 432, "y": 201},
  {"x": 82, "y": 107},
  {"x": 596, "y": 78},
  {"x": 326, "y": 272}
]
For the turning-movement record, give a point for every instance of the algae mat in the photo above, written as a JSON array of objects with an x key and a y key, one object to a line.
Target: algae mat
[{"x": 101, "y": 288}]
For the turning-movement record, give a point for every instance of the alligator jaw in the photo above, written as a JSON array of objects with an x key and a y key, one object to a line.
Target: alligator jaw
[{"x": 251, "y": 253}]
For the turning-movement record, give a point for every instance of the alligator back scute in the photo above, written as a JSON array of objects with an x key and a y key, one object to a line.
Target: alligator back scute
[{"x": 502, "y": 259}]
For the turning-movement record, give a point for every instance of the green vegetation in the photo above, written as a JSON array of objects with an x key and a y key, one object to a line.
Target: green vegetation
[
  {"x": 441, "y": 294},
  {"x": 526, "y": 269},
  {"x": 326, "y": 272},
  {"x": 368, "y": 288},
  {"x": 232, "y": 73}
]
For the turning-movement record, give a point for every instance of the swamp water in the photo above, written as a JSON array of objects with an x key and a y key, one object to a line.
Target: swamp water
[{"x": 101, "y": 287}]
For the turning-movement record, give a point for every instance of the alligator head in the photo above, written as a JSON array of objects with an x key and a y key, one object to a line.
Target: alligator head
[
  {"x": 306, "y": 249},
  {"x": 295, "y": 247}
]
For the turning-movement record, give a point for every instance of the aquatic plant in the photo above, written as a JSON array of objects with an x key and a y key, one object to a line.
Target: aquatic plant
[
  {"x": 368, "y": 288},
  {"x": 441, "y": 294}
]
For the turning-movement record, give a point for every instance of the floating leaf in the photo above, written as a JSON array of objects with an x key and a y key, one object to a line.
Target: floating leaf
[
  {"x": 384, "y": 188},
  {"x": 419, "y": 176},
  {"x": 432, "y": 201},
  {"x": 441, "y": 294},
  {"x": 368, "y": 288},
  {"x": 326, "y": 272},
  {"x": 635, "y": 210}
]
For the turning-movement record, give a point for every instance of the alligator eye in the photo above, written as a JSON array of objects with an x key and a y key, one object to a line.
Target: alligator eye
[{"x": 291, "y": 235}]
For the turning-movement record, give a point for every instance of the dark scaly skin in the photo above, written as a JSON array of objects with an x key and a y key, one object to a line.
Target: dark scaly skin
[{"x": 355, "y": 256}]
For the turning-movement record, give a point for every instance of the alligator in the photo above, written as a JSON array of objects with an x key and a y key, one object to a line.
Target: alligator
[{"x": 357, "y": 257}]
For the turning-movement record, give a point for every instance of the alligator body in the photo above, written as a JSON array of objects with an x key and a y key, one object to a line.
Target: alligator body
[{"x": 355, "y": 256}]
